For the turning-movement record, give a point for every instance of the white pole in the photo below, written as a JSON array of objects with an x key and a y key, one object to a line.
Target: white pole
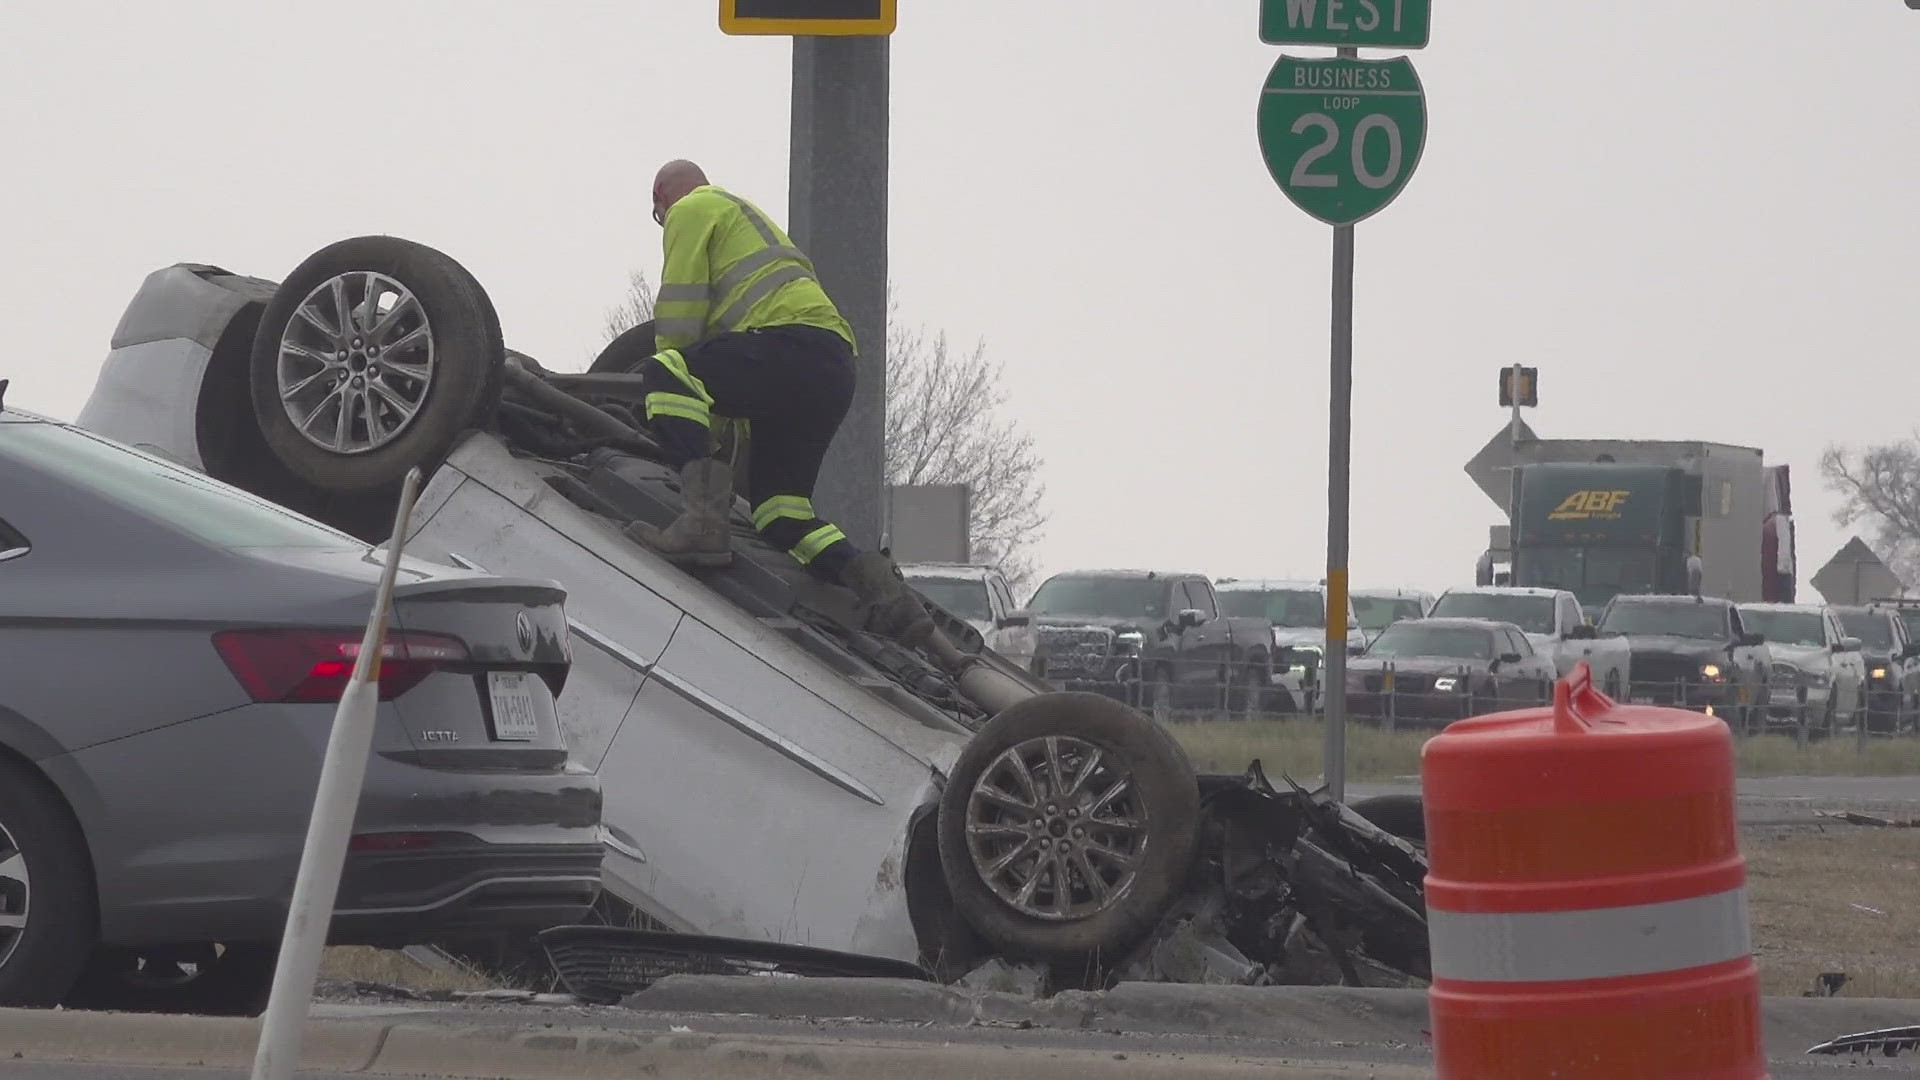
[{"x": 334, "y": 804}]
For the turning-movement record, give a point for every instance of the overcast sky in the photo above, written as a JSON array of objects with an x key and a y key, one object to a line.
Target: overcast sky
[{"x": 1697, "y": 218}]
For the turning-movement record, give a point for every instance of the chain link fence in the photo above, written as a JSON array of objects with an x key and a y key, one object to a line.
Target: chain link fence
[{"x": 1427, "y": 697}]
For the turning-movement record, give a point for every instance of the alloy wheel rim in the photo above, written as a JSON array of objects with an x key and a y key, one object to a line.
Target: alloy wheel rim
[
  {"x": 16, "y": 895},
  {"x": 1056, "y": 828},
  {"x": 356, "y": 362}
]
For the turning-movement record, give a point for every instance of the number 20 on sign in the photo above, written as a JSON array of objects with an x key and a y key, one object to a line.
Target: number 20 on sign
[{"x": 1341, "y": 136}]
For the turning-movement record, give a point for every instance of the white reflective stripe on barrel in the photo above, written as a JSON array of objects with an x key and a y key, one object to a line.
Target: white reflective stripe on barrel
[{"x": 1602, "y": 943}]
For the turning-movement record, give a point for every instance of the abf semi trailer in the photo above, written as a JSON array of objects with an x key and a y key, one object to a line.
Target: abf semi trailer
[{"x": 1602, "y": 517}]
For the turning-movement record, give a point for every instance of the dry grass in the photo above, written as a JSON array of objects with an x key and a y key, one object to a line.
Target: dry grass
[
  {"x": 1804, "y": 889},
  {"x": 392, "y": 968},
  {"x": 1294, "y": 746}
]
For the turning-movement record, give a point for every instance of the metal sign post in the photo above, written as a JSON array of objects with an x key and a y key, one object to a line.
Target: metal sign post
[{"x": 1341, "y": 136}]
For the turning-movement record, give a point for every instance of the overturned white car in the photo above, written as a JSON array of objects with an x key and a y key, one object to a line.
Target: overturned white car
[{"x": 773, "y": 772}]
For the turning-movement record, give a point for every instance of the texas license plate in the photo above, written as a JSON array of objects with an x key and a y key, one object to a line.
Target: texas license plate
[{"x": 515, "y": 715}]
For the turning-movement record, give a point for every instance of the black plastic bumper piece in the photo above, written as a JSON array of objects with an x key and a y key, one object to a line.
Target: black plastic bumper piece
[{"x": 603, "y": 964}]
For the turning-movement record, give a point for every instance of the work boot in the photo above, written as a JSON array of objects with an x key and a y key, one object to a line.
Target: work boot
[
  {"x": 896, "y": 612},
  {"x": 703, "y": 533}
]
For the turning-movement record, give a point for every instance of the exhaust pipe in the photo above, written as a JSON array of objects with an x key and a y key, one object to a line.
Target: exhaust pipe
[{"x": 982, "y": 683}]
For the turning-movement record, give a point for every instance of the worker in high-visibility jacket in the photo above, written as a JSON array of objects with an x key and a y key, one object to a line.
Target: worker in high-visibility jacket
[{"x": 743, "y": 330}]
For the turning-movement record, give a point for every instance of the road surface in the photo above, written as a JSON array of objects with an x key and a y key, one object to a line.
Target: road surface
[{"x": 1777, "y": 800}]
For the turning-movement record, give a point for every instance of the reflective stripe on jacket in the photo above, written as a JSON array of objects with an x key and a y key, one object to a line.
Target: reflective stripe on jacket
[{"x": 729, "y": 267}]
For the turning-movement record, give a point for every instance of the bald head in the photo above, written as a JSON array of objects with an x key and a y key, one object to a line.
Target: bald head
[{"x": 672, "y": 183}]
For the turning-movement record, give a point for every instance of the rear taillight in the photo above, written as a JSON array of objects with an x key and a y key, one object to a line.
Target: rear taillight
[{"x": 308, "y": 666}]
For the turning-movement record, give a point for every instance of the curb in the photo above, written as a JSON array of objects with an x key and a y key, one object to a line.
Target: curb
[
  {"x": 589, "y": 1053},
  {"x": 1322, "y": 1014},
  {"x": 185, "y": 1041},
  {"x": 1297, "y": 1014}
]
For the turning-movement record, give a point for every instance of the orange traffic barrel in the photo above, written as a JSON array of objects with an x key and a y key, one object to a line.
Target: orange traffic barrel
[{"x": 1586, "y": 898}]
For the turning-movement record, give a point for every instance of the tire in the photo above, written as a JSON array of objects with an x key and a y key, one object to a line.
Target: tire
[
  {"x": 626, "y": 352},
  {"x": 1404, "y": 816},
  {"x": 46, "y": 874},
  {"x": 235, "y": 982},
  {"x": 464, "y": 364},
  {"x": 1163, "y": 793}
]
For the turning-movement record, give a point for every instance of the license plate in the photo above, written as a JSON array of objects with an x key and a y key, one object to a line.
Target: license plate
[{"x": 515, "y": 717}]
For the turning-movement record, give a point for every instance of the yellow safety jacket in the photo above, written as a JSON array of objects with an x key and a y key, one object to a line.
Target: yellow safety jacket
[{"x": 729, "y": 267}]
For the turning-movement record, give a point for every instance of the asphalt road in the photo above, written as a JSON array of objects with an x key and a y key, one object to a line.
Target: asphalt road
[
  {"x": 1778, "y": 800},
  {"x": 947, "y": 1057}
]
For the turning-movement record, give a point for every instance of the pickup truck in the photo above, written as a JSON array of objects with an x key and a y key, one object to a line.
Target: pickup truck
[
  {"x": 1554, "y": 624},
  {"x": 1692, "y": 652},
  {"x": 982, "y": 597},
  {"x": 1297, "y": 613},
  {"x": 1154, "y": 639}
]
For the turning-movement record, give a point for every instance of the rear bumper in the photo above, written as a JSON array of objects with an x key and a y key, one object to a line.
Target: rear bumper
[
  {"x": 197, "y": 829},
  {"x": 395, "y": 898}
]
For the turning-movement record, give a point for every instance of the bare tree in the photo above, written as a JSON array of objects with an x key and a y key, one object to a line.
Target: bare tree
[
  {"x": 1880, "y": 486},
  {"x": 943, "y": 427},
  {"x": 633, "y": 309}
]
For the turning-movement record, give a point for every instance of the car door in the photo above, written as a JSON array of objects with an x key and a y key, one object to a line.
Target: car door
[
  {"x": 1202, "y": 647},
  {"x": 1016, "y": 643},
  {"x": 1849, "y": 669},
  {"x": 1518, "y": 681}
]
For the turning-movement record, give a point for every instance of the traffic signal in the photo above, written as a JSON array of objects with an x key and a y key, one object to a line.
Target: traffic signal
[
  {"x": 808, "y": 18},
  {"x": 1529, "y": 389}
]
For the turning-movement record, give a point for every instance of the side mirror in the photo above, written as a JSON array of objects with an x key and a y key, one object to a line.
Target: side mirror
[
  {"x": 1752, "y": 638},
  {"x": 1355, "y": 650},
  {"x": 1189, "y": 618},
  {"x": 1583, "y": 632},
  {"x": 1509, "y": 657},
  {"x": 1023, "y": 617},
  {"x": 1847, "y": 644}
]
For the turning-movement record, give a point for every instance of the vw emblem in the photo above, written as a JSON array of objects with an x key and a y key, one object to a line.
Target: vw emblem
[{"x": 523, "y": 626}]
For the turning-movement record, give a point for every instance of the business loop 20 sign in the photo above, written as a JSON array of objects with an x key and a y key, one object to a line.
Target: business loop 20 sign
[{"x": 1341, "y": 136}]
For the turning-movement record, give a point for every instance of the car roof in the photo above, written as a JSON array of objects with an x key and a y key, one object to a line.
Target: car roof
[
  {"x": 1126, "y": 573},
  {"x": 1388, "y": 590},
  {"x": 1651, "y": 599},
  {"x": 1804, "y": 609},
  {"x": 1259, "y": 584},
  {"x": 958, "y": 571},
  {"x": 1464, "y": 622},
  {"x": 1502, "y": 590}
]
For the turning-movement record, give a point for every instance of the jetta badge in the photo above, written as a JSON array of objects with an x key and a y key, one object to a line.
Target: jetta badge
[{"x": 523, "y": 626}]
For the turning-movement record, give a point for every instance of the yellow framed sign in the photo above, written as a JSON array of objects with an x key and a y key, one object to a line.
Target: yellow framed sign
[{"x": 809, "y": 18}]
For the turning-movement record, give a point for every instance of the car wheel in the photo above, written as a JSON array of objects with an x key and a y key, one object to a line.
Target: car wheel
[
  {"x": 375, "y": 355},
  {"x": 1068, "y": 824},
  {"x": 1404, "y": 816},
  {"x": 47, "y": 912},
  {"x": 626, "y": 352},
  {"x": 205, "y": 980}
]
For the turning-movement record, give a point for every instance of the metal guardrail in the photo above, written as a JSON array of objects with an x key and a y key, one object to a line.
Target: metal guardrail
[{"x": 1393, "y": 700}]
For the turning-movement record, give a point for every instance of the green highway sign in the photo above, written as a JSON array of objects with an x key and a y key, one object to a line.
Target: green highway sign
[
  {"x": 1341, "y": 136},
  {"x": 1360, "y": 24}
]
